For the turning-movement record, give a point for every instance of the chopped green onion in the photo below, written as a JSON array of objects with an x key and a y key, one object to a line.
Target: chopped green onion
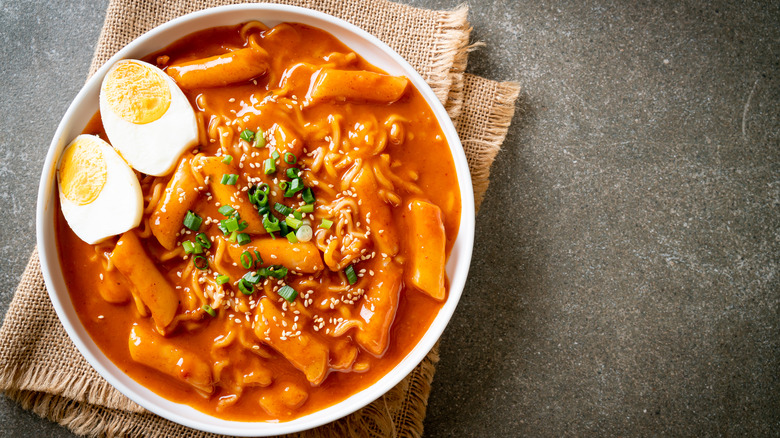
[
  {"x": 283, "y": 228},
  {"x": 246, "y": 260},
  {"x": 276, "y": 271},
  {"x": 252, "y": 277},
  {"x": 291, "y": 237},
  {"x": 230, "y": 224},
  {"x": 292, "y": 172},
  {"x": 287, "y": 293},
  {"x": 304, "y": 233},
  {"x": 297, "y": 214},
  {"x": 243, "y": 238},
  {"x": 192, "y": 221},
  {"x": 206, "y": 308},
  {"x": 295, "y": 186},
  {"x": 283, "y": 185},
  {"x": 326, "y": 224},
  {"x": 226, "y": 210},
  {"x": 222, "y": 279},
  {"x": 258, "y": 197},
  {"x": 259, "y": 139},
  {"x": 242, "y": 225},
  {"x": 246, "y": 287},
  {"x": 264, "y": 210},
  {"x": 283, "y": 209},
  {"x": 229, "y": 179},
  {"x": 203, "y": 239},
  {"x": 222, "y": 228},
  {"x": 232, "y": 238},
  {"x": 227, "y": 159},
  {"x": 259, "y": 259},
  {"x": 290, "y": 158},
  {"x": 191, "y": 247},
  {"x": 247, "y": 135},
  {"x": 293, "y": 223},
  {"x": 201, "y": 262},
  {"x": 271, "y": 223},
  {"x": 308, "y": 196},
  {"x": 308, "y": 208},
  {"x": 264, "y": 188},
  {"x": 270, "y": 166},
  {"x": 275, "y": 155},
  {"x": 351, "y": 276}
]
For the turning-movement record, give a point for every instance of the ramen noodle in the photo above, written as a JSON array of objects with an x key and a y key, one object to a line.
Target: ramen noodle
[{"x": 295, "y": 254}]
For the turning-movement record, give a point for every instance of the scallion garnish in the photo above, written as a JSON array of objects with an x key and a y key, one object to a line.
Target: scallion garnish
[
  {"x": 203, "y": 240},
  {"x": 275, "y": 155},
  {"x": 270, "y": 223},
  {"x": 283, "y": 228},
  {"x": 206, "y": 308},
  {"x": 252, "y": 277},
  {"x": 201, "y": 262},
  {"x": 191, "y": 247},
  {"x": 226, "y": 210},
  {"x": 270, "y": 166},
  {"x": 247, "y": 135},
  {"x": 287, "y": 293},
  {"x": 304, "y": 233},
  {"x": 290, "y": 158},
  {"x": 297, "y": 214},
  {"x": 326, "y": 224},
  {"x": 293, "y": 222},
  {"x": 231, "y": 224},
  {"x": 258, "y": 258},
  {"x": 296, "y": 185},
  {"x": 229, "y": 179},
  {"x": 308, "y": 196},
  {"x": 222, "y": 279},
  {"x": 292, "y": 172},
  {"x": 283, "y": 209},
  {"x": 245, "y": 287},
  {"x": 351, "y": 276},
  {"x": 291, "y": 237},
  {"x": 246, "y": 260},
  {"x": 308, "y": 208},
  {"x": 243, "y": 238},
  {"x": 259, "y": 139},
  {"x": 227, "y": 159},
  {"x": 192, "y": 221},
  {"x": 276, "y": 271}
]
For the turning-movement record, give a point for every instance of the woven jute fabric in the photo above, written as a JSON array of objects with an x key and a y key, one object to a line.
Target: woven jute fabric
[{"x": 41, "y": 368}]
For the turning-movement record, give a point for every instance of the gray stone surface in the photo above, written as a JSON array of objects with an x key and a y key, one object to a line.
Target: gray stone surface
[{"x": 625, "y": 274}]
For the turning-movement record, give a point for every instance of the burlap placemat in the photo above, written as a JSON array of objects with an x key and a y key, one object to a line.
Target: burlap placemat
[{"x": 41, "y": 368}]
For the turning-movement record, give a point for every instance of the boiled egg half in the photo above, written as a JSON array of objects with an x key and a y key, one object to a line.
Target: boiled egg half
[
  {"x": 99, "y": 194},
  {"x": 146, "y": 116}
]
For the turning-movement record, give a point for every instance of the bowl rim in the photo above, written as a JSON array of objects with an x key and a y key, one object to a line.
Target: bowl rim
[{"x": 457, "y": 265}]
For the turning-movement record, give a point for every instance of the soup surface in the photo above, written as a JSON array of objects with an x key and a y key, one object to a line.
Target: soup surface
[{"x": 295, "y": 254}]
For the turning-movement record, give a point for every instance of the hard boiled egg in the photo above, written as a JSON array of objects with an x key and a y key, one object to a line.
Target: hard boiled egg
[
  {"x": 146, "y": 116},
  {"x": 99, "y": 193}
]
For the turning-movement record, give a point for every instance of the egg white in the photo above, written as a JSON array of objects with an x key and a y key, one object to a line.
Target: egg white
[
  {"x": 117, "y": 208},
  {"x": 153, "y": 148}
]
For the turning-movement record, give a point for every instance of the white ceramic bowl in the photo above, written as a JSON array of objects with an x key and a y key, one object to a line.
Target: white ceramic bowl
[{"x": 86, "y": 104}]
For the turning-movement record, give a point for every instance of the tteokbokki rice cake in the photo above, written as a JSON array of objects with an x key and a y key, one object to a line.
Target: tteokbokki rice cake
[{"x": 257, "y": 221}]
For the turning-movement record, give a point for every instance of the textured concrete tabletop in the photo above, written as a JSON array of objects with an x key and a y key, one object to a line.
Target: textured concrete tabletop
[{"x": 625, "y": 274}]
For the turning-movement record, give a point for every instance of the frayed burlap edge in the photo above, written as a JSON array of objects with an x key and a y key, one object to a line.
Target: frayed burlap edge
[{"x": 482, "y": 133}]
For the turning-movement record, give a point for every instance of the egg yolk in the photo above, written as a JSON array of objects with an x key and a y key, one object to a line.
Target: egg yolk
[
  {"x": 82, "y": 172},
  {"x": 136, "y": 93}
]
